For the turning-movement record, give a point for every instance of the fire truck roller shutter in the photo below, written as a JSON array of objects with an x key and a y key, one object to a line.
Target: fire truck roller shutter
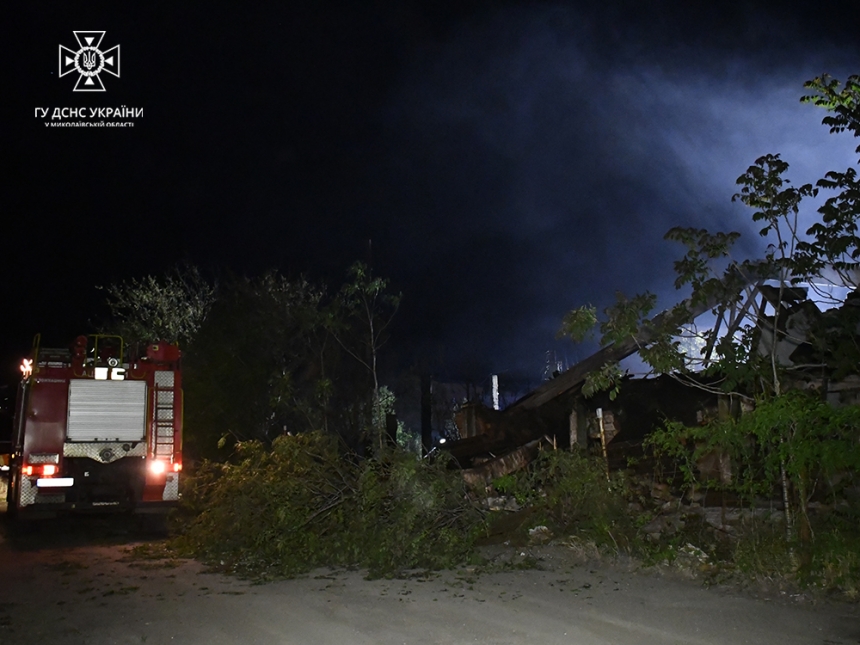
[{"x": 107, "y": 410}]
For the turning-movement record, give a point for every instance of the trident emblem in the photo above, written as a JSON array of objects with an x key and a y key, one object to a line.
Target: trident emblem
[{"x": 89, "y": 61}]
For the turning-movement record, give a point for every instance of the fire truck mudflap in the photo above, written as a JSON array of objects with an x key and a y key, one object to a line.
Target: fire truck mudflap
[{"x": 97, "y": 428}]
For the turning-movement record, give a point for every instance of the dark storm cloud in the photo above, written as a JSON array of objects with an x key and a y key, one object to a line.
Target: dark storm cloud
[
  {"x": 507, "y": 163},
  {"x": 531, "y": 170}
]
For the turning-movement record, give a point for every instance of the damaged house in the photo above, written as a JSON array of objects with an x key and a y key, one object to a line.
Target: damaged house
[{"x": 558, "y": 415}]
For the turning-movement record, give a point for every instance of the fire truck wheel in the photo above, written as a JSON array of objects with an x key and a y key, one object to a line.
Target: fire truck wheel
[
  {"x": 11, "y": 496},
  {"x": 154, "y": 524}
]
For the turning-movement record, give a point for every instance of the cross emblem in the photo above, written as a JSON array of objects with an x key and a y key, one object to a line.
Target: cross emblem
[{"x": 89, "y": 61}]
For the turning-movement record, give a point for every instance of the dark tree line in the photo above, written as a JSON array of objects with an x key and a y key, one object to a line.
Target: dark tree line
[{"x": 269, "y": 355}]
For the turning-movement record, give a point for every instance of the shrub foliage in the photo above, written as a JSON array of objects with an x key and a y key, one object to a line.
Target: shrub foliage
[
  {"x": 569, "y": 492},
  {"x": 302, "y": 503}
]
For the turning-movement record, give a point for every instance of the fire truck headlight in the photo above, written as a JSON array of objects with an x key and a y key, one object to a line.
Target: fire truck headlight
[
  {"x": 157, "y": 466},
  {"x": 49, "y": 470}
]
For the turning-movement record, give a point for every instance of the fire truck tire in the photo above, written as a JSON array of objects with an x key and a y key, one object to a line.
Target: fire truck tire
[
  {"x": 12, "y": 497},
  {"x": 154, "y": 524}
]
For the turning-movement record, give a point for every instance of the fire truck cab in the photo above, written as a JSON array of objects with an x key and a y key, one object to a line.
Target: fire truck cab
[{"x": 97, "y": 427}]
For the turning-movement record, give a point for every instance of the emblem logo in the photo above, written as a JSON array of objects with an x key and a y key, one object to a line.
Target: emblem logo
[{"x": 89, "y": 61}]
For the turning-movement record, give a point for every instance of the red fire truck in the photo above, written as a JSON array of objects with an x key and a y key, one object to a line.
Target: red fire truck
[{"x": 97, "y": 427}]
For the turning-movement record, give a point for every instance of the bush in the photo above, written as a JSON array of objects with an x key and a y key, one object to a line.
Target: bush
[
  {"x": 830, "y": 563},
  {"x": 569, "y": 492},
  {"x": 792, "y": 447},
  {"x": 835, "y": 562},
  {"x": 303, "y": 504}
]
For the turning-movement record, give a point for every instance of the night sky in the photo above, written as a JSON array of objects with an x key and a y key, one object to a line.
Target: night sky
[{"x": 508, "y": 161}]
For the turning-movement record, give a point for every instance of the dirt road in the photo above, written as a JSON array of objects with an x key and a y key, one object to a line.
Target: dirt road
[{"x": 66, "y": 585}]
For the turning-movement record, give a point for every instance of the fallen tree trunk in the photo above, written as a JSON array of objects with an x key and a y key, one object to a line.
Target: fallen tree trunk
[
  {"x": 515, "y": 460},
  {"x": 576, "y": 375}
]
